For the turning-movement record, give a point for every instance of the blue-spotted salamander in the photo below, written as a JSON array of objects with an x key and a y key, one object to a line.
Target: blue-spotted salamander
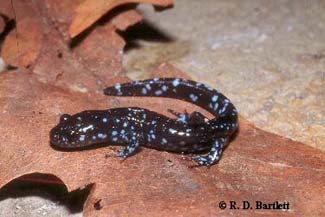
[{"x": 135, "y": 127}]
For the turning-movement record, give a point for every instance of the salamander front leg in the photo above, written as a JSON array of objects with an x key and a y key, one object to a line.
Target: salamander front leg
[
  {"x": 129, "y": 150},
  {"x": 214, "y": 154}
]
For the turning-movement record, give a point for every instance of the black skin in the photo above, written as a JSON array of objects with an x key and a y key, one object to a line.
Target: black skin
[{"x": 135, "y": 127}]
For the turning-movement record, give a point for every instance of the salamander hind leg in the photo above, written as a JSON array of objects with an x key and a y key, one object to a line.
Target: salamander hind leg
[
  {"x": 214, "y": 154},
  {"x": 177, "y": 114},
  {"x": 196, "y": 118},
  {"x": 193, "y": 119}
]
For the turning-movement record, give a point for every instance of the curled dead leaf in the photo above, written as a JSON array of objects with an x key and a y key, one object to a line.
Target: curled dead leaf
[
  {"x": 22, "y": 45},
  {"x": 91, "y": 10}
]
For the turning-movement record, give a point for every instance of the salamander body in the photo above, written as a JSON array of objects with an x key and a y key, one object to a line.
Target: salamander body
[{"x": 135, "y": 127}]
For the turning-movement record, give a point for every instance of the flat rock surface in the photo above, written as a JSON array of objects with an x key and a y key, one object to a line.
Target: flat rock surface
[{"x": 268, "y": 57}]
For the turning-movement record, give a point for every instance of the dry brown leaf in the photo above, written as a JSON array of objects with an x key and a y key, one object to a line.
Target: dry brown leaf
[
  {"x": 6, "y": 8},
  {"x": 256, "y": 166},
  {"x": 22, "y": 46},
  {"x": 45, "y": 48},
  {"x": 90, "y": 11}
]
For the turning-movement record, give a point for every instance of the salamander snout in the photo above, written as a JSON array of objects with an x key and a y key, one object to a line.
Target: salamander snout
[
  {"x": 68, "y": 133},
  {"x": 61, "y": 136}
]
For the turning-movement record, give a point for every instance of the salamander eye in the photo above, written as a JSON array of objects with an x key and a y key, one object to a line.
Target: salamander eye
[{"x": 64, "y": 117}]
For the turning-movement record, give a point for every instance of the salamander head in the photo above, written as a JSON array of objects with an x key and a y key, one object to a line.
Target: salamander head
[{"x": 75, "y": 131}]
